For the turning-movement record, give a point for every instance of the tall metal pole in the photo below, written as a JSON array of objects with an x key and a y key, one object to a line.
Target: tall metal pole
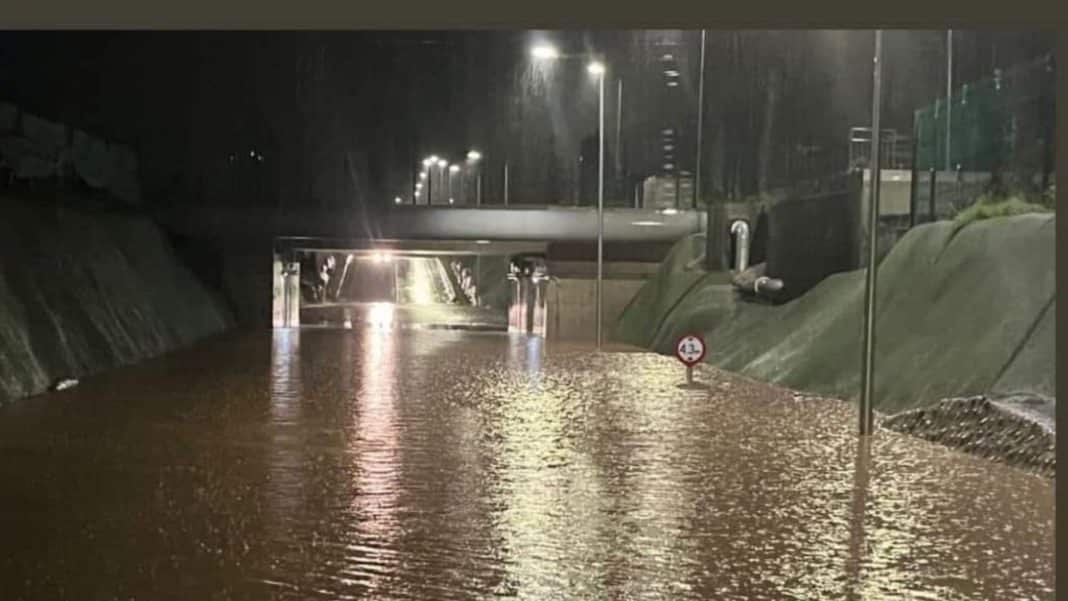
[
  {"x": 600, "y": 208},
  {"x": 700, "y": 124},
  {"x": 868, "y": 373},
  {"x": 619, "y": 134},
  {"x": 949, "y": 97},
  {"x": 429, "y": 185},
  {"x": 506, "y": 183}
]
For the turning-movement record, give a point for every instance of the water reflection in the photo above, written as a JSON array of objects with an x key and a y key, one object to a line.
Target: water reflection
[
  {"x": 857, "y": 548},
  {"x": 394, "y": 464},
  {"x": 286, "y": 462},
  {"x": 373, "y": 525}
]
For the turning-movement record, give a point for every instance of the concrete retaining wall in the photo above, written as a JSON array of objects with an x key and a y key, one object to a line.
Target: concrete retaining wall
[
  {"x": 572, "y": 307},
  {"x": 82, "y": 292}
]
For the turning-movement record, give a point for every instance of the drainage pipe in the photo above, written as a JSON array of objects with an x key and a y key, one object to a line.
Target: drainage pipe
[{"x": 740, "y": 230}]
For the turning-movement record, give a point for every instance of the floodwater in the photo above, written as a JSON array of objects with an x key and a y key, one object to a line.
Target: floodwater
[
  {"x": 415, "y": 464},
  {"x": 405, "y": 315}
]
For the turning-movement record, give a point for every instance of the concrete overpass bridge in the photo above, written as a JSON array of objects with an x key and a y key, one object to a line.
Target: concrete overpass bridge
[
  {"x": 528, "y": 223},
  {"x": 561, "y": 238}
]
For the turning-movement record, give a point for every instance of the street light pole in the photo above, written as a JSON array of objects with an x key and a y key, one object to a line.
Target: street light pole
[
  {"x": 598, "y": 69},
  {"x": 619, "y": 136},
  {"x": 867, "y": 377},
  {"x": 949, "y": 96},
  {"x": 700, "y": 124}
]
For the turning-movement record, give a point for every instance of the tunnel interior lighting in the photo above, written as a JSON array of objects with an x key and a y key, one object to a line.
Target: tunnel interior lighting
[
  {"x": 545, "y": 52},
  {"x": 380, "y": 315}
]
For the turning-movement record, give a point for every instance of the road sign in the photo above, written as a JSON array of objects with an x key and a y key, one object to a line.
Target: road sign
[{"x": 690, "y": 349}]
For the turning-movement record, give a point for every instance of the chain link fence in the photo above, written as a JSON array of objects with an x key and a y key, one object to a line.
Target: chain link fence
[{"x": 992, "y": 135}]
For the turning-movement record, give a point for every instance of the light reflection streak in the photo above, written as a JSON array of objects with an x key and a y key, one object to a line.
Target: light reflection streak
[
  {"x": 374, "y": 446},
  {"x": 287, "y": 460},
  {"x": 551, "y": 498},
  {"x": 658, "y": 506}
]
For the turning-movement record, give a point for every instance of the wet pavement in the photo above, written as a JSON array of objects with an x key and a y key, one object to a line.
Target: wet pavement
[
  {"x": 411, "y": 315},
  {"x": 413, "y": 464}
]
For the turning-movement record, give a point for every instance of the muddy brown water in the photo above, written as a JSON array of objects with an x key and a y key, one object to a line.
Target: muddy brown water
[{"x": 414, "y": 464}]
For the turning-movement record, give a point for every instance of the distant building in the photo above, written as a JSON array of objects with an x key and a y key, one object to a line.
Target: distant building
[{"x": 668, "y": 191}]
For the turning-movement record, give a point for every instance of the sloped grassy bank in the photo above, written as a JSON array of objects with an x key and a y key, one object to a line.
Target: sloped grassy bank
[
  {"x": 961, "y": 311},
  {"x": 83, "y": 291}
]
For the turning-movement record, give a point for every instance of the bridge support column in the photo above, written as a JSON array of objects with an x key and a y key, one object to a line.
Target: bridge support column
[
  {"x": 286, "y": 304},
  {"x": 527, "y": 308}
]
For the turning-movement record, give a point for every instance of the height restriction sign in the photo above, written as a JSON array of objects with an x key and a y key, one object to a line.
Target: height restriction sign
[{"x": 690, "y": 349}]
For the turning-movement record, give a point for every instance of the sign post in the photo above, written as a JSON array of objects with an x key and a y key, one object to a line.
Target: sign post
[{"x": 690, "y": 350}]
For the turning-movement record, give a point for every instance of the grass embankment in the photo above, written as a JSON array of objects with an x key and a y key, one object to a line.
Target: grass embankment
[{"x": 964, "y": 307}]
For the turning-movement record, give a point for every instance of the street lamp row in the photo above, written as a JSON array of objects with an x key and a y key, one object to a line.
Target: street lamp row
[{"x": 426, "y": 176}]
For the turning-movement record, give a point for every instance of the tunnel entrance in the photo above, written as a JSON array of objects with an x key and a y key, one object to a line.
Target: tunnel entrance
[{"x": 332, "y": 285}]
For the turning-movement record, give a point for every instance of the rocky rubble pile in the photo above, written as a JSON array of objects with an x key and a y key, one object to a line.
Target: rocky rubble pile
[{"x": 987, "y": 428}]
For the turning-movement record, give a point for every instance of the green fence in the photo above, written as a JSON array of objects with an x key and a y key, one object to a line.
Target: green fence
[{"x": 1003, "y": 124}]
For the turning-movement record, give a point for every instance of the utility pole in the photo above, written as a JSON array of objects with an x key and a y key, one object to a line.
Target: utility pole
[
  {"x": 949, "y": 97},
  {"x": 506, "y": 183},
  {"x": 600, "y": 210},
  {"x": 700, "y": 124},
  {"x": 867, "y": 377},
  {"x": 619, "y": 135}
]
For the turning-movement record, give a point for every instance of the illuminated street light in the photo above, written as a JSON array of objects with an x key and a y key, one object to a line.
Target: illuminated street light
[
  {"x": 427, "y": 162},
  {"x": 397, "y": 200},
  {"x": 545, "y": 52},
  {"x": 473, "y": 157},
  {"x": 597, "y": 69},
  {"x": 442, "y": 163},
  {"x": 454, "y": 168}
]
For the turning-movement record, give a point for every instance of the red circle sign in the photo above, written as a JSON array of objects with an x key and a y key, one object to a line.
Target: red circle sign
[{"x": 690, "y": 349}]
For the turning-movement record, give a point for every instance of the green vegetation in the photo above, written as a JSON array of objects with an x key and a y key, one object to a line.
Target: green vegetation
[{"x": 989, "y": 206}]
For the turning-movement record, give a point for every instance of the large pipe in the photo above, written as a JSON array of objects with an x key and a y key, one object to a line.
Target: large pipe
[
  {"x": 766, "y": 284},
  {"x": 740, "y": 229}
]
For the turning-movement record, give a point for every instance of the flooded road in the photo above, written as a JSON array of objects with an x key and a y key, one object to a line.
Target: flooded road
[{"x": 416, "y": 464}]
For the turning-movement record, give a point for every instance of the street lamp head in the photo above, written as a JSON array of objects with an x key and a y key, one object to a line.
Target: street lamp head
[
  {"x": 545, "y": 52},
  {"x": 397, "y": 200},
  {"x": 442, "y": 163},
  {"x": 596, "y": 68},
  {"x": 451, "y": 201},
  {"x": 473, "y": 155},
  {"x": 427, "y": 162},
  {"x": 422, "y": 174},
  {"x": 454, "y": 168}
]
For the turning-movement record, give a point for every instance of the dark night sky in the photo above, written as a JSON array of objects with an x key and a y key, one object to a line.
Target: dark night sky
[{"x": 343, "y": 117}]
